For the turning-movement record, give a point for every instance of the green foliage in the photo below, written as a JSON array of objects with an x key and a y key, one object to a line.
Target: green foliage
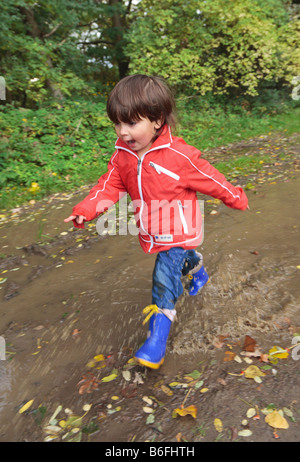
[
  {"x": 214, "y": 45},
  {"x": 47, "y": 150},
  {"x": 40, "y": 57}
]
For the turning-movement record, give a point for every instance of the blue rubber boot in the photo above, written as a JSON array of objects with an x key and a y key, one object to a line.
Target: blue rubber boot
[
  {"x": 198, "y": 280},
  {"x": 152, "y": 352}
]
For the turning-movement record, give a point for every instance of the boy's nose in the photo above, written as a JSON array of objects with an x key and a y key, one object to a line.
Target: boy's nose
[{"x": 123, "y": 130}]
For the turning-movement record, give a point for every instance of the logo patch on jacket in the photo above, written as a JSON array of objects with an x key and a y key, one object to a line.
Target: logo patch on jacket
[{"x": 164, "y": 237}]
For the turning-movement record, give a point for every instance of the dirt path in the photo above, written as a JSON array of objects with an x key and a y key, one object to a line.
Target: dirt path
[{"x": 71, "y": 307}]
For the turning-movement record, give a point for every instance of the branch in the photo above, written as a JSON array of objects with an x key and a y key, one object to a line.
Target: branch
[
  {"x": 96, "y": 42},
  {"x": 52, "y": 31}
]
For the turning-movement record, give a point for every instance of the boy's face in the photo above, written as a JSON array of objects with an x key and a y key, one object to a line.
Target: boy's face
[{"x": 138, "y": 135}]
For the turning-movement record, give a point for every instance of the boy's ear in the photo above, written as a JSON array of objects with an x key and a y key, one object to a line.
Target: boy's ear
[{"x": 158, "y": 124}]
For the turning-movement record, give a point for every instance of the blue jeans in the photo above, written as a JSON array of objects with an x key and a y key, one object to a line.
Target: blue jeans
[{"x": 170, "y": 266}]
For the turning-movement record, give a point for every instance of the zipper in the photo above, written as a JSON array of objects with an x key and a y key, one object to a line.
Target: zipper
[
  {"x": 142, "y": 199},
  {"x": 182, "y": 217},
  {"x": 159, "y": 169},
  {"x": 139, "y": 166}
]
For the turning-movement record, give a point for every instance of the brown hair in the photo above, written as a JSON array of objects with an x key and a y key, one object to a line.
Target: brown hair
[{"x": 141, "y": 96}]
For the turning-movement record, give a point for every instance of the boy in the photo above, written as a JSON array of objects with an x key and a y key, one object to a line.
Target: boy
[{"x": 162, "y": 175}]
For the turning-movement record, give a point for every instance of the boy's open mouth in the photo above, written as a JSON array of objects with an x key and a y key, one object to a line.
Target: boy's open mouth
[{"x": 131, "y": 143}]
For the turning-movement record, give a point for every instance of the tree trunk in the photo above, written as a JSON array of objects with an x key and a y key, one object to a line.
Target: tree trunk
[
  {"x": 36, "y": 33},
  {"x": 119, "y": 24}
]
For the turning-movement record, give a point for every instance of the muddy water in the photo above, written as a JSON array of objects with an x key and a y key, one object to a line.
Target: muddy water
[{"x": 76, "y": 295}]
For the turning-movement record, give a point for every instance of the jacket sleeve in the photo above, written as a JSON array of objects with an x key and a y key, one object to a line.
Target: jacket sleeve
[
  {"x": 108, "y": 190},
  {"x": 206, "y": 179}
]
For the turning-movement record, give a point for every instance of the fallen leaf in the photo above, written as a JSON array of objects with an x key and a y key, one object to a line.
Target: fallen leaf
[
  {"x": 178, "y": 385},
  {"x": 278, "y": 352},
  {"x": 253, "y": 371},
  {"x": 249, "y": 344},
  {"x": 147, "y": 400},
  {"x": 52, "y": 429},
  {"x": 251, "y": 412},
  {"x": 166, "y": 390},
  {"x": 126, "y": 375},
  {"x": 275, "y": 420},
  {"x": 203, "y": 390},
  {"x": 190, "y": 410},
  {"x": 26, "y": 406},
  {"x": 194, "y": 375},
  {"x": 110, "y": 377},
  {"x": 88, "y": 383},
  {"x": 52, "y": 420},
  {"x": 150, "y": 419},
  {"x": 74, "y": 421},
  {"x": 148, "y": 409},
  {"x": 198, "y": 384},
  {"x": 50, "y": 438},
  {"x": 218, "y": 425},
  {"x": 229, "y": 356},
  {"x": 288, "y": 412},
  {"x": 178, "y": 437},
  {"x": 245, "y": 433},
  {"x": 221, "y": 381}
]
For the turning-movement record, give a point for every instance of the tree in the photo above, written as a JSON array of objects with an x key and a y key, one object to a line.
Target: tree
[
  {"x": 40, "y": 56},
  {"x": 214, "y": 45}
]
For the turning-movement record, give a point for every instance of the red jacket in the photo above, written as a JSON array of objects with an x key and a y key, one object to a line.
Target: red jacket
[{"x": 163, "y": 187}]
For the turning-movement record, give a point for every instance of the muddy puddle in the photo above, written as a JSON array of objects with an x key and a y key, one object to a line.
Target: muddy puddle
[{"x": 75, "y": 295}]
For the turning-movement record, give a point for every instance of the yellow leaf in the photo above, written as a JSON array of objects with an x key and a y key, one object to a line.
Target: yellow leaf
[
  {"x": 99, "y": 358},
  {"x": 26, "y": 406},
  {"x": 275, "y": 420},
  {"x": 166, "y": 390},
  {"x": 251, "y": 412},
  {"x": 174, "y": 384},
  {"x": 190, "y": 410},
  {"x": 218, "y": 425},
  {"x": 253, "y": 371},
  {"x": 277, "y": 352},
  {"x": 203, "y": 390},
  {"x": 87, "y": 407},
  {"x": 110, "y": 377},
  {"x": 148, "y": 409}
]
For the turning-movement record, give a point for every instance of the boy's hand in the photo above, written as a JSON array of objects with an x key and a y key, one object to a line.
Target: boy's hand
[{"x": 78, "y": 218}]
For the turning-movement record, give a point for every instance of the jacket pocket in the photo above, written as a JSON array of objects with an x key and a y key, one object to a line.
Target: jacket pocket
[
  {"x": 159, "y": 169},
  {"x": 182, "y": 217}
]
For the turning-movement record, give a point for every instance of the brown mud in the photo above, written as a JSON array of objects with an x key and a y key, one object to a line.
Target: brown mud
[{"x": 69, "y": 295}]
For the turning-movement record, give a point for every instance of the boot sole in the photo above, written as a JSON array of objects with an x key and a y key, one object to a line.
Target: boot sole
[{"x": 143, "y": 362}]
